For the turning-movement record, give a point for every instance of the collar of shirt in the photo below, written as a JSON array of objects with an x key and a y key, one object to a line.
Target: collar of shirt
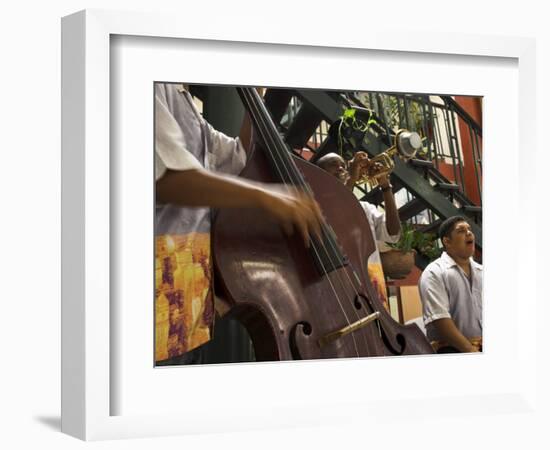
[{"x": 449, "y": 262}]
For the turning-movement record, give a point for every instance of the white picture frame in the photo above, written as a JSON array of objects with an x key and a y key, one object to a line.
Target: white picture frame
[{"x": 88, "y": 386}]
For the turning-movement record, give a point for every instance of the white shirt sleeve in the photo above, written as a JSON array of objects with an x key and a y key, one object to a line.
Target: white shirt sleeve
[
  {"x": 378, "y": 220},
  {"x": 435, "y": 300},
  {"x": 226, "y": 154},
  {"x": 170, "y": 151}
]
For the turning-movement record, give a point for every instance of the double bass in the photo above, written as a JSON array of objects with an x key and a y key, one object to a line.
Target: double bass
[{"x": 297, "y": 302}]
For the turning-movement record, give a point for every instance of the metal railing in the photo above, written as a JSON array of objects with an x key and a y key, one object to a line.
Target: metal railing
[{"x": 452, "y": 139}]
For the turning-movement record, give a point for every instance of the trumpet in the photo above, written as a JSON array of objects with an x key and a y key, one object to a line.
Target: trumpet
[{"x": 406, "y": 144}]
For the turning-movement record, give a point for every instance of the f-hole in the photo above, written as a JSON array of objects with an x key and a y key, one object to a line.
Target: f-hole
[
  {"x": 298, "y": 331},
  {"x": 362, "y": 302}
]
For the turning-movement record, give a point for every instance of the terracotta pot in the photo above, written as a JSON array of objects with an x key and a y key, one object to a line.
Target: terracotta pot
[{"x": 397, "y": 264}]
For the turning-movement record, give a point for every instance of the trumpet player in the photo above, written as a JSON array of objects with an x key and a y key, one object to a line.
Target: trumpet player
[{"x": 385, "y": 226}]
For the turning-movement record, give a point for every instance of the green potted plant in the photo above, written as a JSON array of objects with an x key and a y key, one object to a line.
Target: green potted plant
[
  {"x": 350, "y": 129},
  {"x": 399, "y": 261}
]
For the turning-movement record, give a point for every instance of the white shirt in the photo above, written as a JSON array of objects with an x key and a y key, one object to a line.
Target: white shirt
[
  {"x": 171, "y": 149},
  {"x": 377, "y": 222},
  {"x": 183, "y": 286},
  {"x": 183, "y": 141},
  {"x": 446, "y": 292}
]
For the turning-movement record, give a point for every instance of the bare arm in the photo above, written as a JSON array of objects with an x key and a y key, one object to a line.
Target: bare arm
[
  {"x": 393, "y": 224},
  {"x": 448, "y": 332},
  {"x": 199, "y": 187},
  {"x": 357, "y": 166}
]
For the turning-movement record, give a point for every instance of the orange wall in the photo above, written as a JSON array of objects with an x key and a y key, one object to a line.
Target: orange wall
[
  {"x": 446, "y": 170},
  {"x": 472, "y": 105}
]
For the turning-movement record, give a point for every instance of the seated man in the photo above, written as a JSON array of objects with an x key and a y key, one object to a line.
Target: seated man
[
  {"x": 450, "y": 289},
  {"x": 385, "y": 227}
]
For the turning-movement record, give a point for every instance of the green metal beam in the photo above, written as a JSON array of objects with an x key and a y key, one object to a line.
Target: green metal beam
[
  {"x": 421, "y": 188},
  {"x": 329, "y": 108}
]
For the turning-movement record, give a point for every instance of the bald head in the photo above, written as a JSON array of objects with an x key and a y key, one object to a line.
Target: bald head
[{"x": 335, "y": 165}]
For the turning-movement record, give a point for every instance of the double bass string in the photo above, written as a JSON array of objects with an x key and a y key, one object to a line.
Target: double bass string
[
  {"x": 300, "y": 181},
  {"x": 264, "y": 128},
  {"x": 296, "y": 178},
  {"x": 350, "y": 282}
]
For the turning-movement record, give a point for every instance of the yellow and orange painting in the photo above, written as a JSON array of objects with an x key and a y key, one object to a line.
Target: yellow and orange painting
[
  {"x": 184, "y": 308},
  {"x": 376, "y": 276}
]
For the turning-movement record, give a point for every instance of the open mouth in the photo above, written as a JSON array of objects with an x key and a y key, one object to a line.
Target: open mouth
[{"x": 470, "y": 242}]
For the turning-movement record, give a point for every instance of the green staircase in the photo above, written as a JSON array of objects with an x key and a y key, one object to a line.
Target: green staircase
[{"x": 300, "y": 112}]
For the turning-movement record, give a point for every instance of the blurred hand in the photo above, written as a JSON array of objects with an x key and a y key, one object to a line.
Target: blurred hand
[
  {"x": 294, "y": 211},
  {"x": 358, "y": 164}
]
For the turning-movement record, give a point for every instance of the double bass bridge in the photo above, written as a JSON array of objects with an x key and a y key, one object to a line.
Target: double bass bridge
[{"x": 361, "y": 323}]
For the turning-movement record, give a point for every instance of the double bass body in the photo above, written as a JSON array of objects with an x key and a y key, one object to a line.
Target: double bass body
[
  {"x": 278, "y": 293},
  {"x": 300, "y": 303}
]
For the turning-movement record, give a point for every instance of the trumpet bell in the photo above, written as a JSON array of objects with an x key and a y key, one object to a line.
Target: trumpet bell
[{"x": 407, "y": 143}]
